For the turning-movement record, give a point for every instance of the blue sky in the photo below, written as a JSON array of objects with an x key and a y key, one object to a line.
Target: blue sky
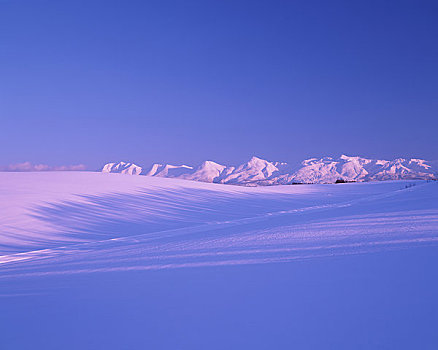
[{"x": 183, "y": 81}]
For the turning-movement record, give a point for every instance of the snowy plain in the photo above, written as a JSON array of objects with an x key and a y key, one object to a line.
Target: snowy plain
[{"x": 127, "y": 262}]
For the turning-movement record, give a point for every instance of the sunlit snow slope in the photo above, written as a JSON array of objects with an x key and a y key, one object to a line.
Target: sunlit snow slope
[{"x": 74, "y": 222}]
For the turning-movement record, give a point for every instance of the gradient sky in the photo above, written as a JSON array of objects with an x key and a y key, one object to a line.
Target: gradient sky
[{"x": 184, "y": 81}]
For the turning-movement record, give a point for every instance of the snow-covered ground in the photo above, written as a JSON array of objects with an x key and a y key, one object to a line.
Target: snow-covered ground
[
  {"x": 77, "y": 222},
  {"x": 63, "y": 234}
]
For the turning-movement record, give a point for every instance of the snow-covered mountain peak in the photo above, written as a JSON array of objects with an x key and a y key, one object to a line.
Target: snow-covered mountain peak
[
  {"x": 352, "y": 158},
  {"x": 122, "y": 168},
  {"x": 256, "y": 162},
  {"x": 207, "y": 171},
  {"x": 308, "y": 161},
  {"x": 210, "y": 164},
  {"x": 255, "y": 159},
  {"x": 420, "y": 163},
  {"x": 259, "y": 171},
  {"x": 255, "y": 170}
]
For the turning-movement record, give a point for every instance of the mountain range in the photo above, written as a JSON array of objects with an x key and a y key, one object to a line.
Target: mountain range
[{"x": 258, "y": 171}]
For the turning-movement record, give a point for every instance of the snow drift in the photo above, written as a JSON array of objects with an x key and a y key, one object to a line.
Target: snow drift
[{"x": 76, "y": 222}]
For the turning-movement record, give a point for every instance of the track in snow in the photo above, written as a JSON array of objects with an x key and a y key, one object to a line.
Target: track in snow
[{"x": 86, "y": 222}]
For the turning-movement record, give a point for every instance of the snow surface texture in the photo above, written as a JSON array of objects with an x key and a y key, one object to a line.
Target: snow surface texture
[
  {"x": 76, "y": 222},
  {"x": 262, "y": 172}
]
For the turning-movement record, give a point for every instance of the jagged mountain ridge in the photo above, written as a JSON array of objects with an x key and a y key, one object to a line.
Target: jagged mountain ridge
[
  {"x": 258, "y": 171},
  {"x": 122, "y": 168}
]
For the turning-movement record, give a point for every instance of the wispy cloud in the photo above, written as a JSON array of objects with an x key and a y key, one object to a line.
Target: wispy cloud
[{"x": 28, "y": 166}]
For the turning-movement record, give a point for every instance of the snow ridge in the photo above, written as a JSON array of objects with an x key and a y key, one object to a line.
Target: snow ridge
[
  {"x": 122, "y": 168},
  {"x": 258, "y": 171}
]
